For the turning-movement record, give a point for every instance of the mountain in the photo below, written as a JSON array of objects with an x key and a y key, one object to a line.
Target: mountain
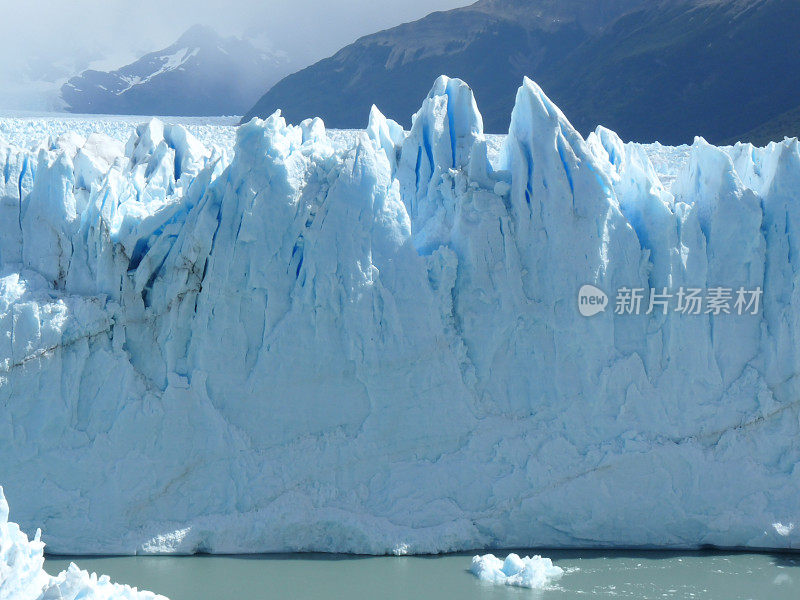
[
  {"x": 199, "y": 75},
  {"x": 491, "y": 44},
  {"x": 665, "y": 70},
  {"x": 723, "y": 69},
  {"x": 785, "y": 124}
]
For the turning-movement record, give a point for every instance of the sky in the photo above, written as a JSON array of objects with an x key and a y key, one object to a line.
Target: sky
[{"x": 44, "y": 41}]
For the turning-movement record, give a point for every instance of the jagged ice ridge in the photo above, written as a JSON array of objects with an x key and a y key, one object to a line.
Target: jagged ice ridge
[{"x": 375, "y": 346}]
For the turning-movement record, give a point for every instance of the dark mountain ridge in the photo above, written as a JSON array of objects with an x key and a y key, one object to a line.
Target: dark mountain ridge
[{"x": 665, "y": 70}]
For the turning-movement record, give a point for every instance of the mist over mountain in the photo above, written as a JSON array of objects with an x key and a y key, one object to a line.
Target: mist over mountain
[
  {"x": 666, "y": 70},
  {"x": 201, "y": 74}
]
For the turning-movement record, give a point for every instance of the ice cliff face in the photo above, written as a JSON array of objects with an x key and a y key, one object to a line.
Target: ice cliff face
[
  {"x": 23, "y": 578},
  {"x": 376, "y": 347}
]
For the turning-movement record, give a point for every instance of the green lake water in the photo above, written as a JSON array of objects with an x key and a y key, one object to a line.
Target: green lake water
[{"x": 590, "y": 574}]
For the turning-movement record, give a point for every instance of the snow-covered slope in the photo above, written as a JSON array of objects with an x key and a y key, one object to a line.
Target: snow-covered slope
[
  {"x": 372, "y": 342},
  {"x": 23, "y": 578},
  {"x": 202, "y": 73}
]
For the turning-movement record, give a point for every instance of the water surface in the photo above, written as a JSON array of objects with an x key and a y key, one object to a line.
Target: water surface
[{"x": 639, "y": 575}]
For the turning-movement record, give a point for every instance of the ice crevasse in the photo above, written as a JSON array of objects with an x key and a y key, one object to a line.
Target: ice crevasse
[{"x": 375, "y": 346}]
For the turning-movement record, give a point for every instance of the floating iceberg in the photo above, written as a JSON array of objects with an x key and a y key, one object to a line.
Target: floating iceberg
[
  {"x": 371, "y": 341},
  {"x": 23, "y": 578},
  {"x": 530, "y": 572}
]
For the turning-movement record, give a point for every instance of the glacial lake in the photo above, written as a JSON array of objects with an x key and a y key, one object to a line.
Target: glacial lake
[{"x": 590, "y": 574}]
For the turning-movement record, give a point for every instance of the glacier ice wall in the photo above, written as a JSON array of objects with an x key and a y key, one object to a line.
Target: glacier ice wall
[
  {"x": 22, "y": 576},
  {"x": 376, "y": 347}
]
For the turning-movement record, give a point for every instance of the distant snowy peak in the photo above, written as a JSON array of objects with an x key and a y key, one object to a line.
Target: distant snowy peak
[
  {"x": 186, "y": 78},
  {"x": 169, "y": 63}
]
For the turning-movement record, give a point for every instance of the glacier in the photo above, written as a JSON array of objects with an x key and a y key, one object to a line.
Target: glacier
[
  {"x": 23, "y": 578},
  {"x": 371, "y": 343}
]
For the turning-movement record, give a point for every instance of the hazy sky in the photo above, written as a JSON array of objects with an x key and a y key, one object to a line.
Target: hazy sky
[{"x": 44, "y": 39}]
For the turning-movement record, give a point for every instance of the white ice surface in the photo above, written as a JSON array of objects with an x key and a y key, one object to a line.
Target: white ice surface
[
  {"x": 534, "y": 572},
  {"x": 370, "y": 342},
  {"x": 34, "y": 130},
  {"x": 22, "y": 576}
]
